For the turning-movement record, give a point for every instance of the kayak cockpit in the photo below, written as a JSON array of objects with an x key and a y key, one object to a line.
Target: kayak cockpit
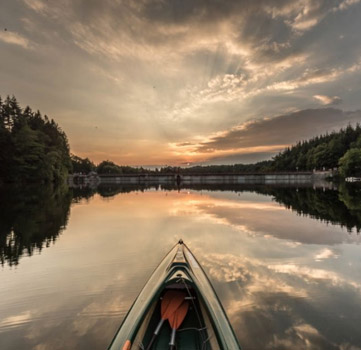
[{"x": 195, "y": 331}]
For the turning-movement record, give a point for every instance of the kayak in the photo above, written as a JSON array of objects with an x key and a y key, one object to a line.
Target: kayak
[{"x": 176, "y": 309}]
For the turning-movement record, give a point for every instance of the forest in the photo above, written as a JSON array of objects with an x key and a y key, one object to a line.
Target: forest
[
  {"x": 33, "y": 148},
  {"x": 340, "y": 150}
]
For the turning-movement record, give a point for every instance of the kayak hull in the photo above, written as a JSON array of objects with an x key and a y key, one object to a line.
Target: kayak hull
[{"x": 205, "y": 327}]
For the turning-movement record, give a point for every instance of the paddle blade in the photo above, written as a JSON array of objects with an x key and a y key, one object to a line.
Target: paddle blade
[
  {"x": 177, "y": 318},
  {"x": 172, "y": 299}
]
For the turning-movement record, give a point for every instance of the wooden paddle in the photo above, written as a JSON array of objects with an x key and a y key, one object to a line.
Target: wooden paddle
[
  {"x": 171, "y": 301},
  {"x": 175, "y": 320}
]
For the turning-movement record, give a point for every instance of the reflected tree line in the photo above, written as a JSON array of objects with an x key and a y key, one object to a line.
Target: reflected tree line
[
  {"x": 339, "y": 207},
  {"x": 32, "y": 218}
]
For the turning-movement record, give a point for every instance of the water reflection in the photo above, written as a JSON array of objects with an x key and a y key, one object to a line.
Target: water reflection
[
  {"x": 341, "y": 207},
  {"x": 276, "y": 306},
  {"x": 31, "y": 218},
  {"x": 288, "y": 279},
  {"x": 338, "y": 205}
]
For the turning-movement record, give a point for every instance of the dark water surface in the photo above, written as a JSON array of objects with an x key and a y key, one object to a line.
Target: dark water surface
[{"x": 285, "y": 262}]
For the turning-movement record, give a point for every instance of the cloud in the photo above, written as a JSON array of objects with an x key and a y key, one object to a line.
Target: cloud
[
  {"x": 244, "y": 158},
  {"x": 328, "y": 100},
  {"x": 345, "y": 4},
  {"x": 184, "y": 69},
  {"x": 14, "y": 38},
  {"x": 258, "y": 80},
  {"x": 281, "y": 130},
  {"x": 244, "y": 28},
  {"x": 326, "y": 253},
  {"x": 309, "y": 13},
  {"x": 36, "y": 5}
]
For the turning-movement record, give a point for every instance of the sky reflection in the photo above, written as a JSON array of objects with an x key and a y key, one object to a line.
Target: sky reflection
[{"x": 286, "y": 281}]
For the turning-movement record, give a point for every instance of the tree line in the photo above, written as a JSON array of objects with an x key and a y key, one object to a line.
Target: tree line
[
  {"x": 33, "y": 148},
  {"x": 337, "y": 151},
  {"x": 84, "y": 166}
]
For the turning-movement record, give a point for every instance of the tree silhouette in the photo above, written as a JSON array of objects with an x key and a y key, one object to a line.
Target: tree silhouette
[{"x": 32, "y": 148}]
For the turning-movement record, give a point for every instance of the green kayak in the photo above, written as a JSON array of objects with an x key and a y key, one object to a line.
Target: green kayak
[{"x": 177, "y": 309}]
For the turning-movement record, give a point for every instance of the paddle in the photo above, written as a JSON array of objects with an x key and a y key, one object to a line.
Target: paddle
[
  {"x": 171, "y": 301},
  {"x": 175, "y": 320}
]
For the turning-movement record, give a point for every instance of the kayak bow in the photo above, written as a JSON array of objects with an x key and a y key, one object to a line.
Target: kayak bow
[{"x": 200, "y": 320}]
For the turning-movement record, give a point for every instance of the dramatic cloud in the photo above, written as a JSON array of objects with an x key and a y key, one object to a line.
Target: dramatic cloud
[
  {"x": 129, "y": 79},
  {"x": 272, "y": 134}
]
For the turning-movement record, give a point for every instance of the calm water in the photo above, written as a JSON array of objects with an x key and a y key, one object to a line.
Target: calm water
[{"x": 285, "y": 262}]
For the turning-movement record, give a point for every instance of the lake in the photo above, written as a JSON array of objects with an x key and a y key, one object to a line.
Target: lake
[{"x": 285, "y": 261}]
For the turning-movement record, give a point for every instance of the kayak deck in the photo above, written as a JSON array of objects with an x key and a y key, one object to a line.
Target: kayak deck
[{"x": 204, "y": 324}]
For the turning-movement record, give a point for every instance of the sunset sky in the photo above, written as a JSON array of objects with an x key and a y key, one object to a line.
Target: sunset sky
[{"x": 155, "y": 82}]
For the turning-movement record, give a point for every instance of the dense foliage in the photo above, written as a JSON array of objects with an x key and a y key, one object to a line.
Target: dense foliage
[
  {"x": 350, "y": 163},
  {"x": 82, "y": 165},
  {"x": 322, "y": 152},
  {"x": 32, "y": 148},
  {"x": 263, "y": 166},
  {"x": 108, "y": 167}
]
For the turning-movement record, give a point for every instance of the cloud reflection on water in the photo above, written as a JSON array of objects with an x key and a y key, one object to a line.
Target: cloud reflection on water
[
  {"x": 269, "y": 219},
  {"x": 286, "y": 306},
  {"x": 286, "y": 281}
]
